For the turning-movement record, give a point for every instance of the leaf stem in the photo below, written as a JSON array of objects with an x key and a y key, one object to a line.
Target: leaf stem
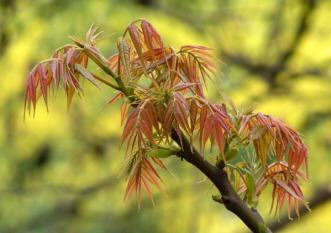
[{"x": 106, "y": 82}]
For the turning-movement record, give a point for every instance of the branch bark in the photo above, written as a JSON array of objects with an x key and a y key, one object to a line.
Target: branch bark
[
  {"x": 218, "y": 177},
  {"x": 261, "y": 67},
  {"x": 309, "y": 7}
]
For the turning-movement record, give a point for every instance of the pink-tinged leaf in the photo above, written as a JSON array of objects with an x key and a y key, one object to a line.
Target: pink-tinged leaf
[
  {"x": 282, "y": 140},
  {"x": 124, "y": 110},
  {"x": 135, "y": 36},
  {"x": 183, "y": 86},
  {"x": 176, "y": 115},
  {"x": 193, "y": 115},
  {"x": 113, "y": 62},
  {"x": 151, "y": 37},
  {"x": 48, "y": 75},
  {"x": 119, "y": 95},
  {"x": 141, "y": 122},
  {"x": 214, "y": 125},
  {"x": 197, "y": 64},
  {"x": 286, "y": 187},
  {"x": 142, "y": 175}
]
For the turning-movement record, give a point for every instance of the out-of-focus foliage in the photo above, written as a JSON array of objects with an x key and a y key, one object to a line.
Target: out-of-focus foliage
[{"x": 60, "y": 171}]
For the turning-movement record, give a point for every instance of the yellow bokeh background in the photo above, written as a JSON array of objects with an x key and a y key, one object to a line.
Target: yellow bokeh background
[{"x": 61, "y": 171}]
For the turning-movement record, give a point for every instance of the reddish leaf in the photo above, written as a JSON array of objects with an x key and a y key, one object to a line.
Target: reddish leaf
[
  {"x": 140, "y": 123},
  {"x": 176, "y": 114},
  {"x": 285, "y": 186},
  {"x": 214, "y": 125},
  {"x": 50, "y": 73},
  {"x": 142, "y": 174}
]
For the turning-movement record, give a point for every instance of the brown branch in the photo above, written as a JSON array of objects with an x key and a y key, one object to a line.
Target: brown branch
[
  {"x": 276, "y": 28},
  {"x": 310, "y": 71},
  {"x": 321, "y": 196},
  {"x": 268, "y": 72},
  {"x": 303, "y": 25},
  {"x": 246, "y": 63},
  {"x": 218, "y": 177}
]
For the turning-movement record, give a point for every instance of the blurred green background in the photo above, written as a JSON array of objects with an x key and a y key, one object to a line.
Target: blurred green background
[{"x": 60, "y": 171}]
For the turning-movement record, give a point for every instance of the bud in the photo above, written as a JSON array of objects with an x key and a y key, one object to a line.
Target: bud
[
  {"x": 231, "y": 153},
  {"x": 160, "y": 152}
]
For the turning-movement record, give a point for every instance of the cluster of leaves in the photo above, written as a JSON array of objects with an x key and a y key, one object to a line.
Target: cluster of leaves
[
  {"x": 67, "y": 64},
  {"x": 161, "y": 90},
  {"x": 279, "y": 153}
]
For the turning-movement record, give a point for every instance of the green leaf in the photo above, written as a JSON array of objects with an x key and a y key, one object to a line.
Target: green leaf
[
  {"x": 231, "y": 153},
  {"x": 251, "y": 188},
  {"x": 124, "y": 54},
  {"x": 248, "y": 109}
]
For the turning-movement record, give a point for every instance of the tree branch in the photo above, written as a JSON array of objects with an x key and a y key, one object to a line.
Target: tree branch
[
  {"x": 219, "y": 178},
  {"x": 303, "y": 25},
  {"x": 268, "y": 72}
]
